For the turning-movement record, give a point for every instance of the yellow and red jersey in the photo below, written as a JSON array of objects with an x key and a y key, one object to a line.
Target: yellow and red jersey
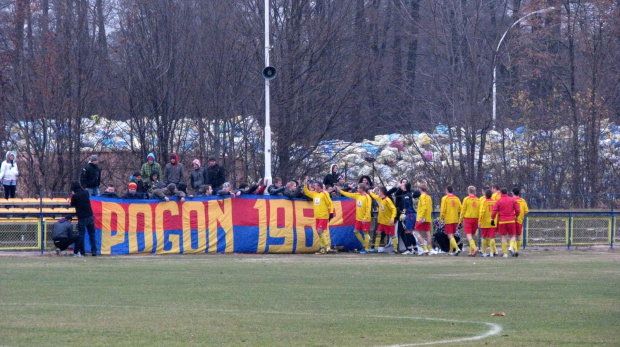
[
  {"x": 387, "y": 210},
  {"x": 470, "y": 208},
  {"x": 425, "y": 208},
  {"x": 524, "y": 209},
  {"x": 321, "y": 202},
  {"x": 450, "y": 208},
  {"x": 363, "y": 205},
  {"x": 496, "y": 196},
  {"x": 486, "y": 210}
]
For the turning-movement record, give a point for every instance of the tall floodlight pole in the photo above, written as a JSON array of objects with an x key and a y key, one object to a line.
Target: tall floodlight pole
[
  {"x": 267, "y": 103},
  {"x": 495, "y": 58}
]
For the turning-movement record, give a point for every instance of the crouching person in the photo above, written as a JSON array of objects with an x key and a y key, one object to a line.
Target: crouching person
[
  {"x": 63, "y": 236},
  {"x": 170, "y": 190}
]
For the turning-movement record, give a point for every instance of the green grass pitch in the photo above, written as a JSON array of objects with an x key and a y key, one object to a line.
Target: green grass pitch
[{"x": 550, "y": 298}]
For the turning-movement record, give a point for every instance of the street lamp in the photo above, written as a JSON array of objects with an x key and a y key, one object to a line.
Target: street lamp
[{"x": 495, "y": 57}]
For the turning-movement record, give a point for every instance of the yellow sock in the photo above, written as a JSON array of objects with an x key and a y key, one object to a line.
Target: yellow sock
[
  {"x": 513, "y": 245},
  {"x": 323, "y": 239},
  {"x": 453, "y": 245},
  {"x": 377, "y": 241},
  {"x": 492, "y": 245},
  {"x": 395, "y": 243},
  {"x": 472, "y": 246},
  {"x": 485, "y": 244},
  {"x": 504, "y": 247},
  {"x": 359, "y": 237},
  {"x": 328, "y": 239},
  {"x": 366, "y": 241},
  {"x": 519, "y": 245}
]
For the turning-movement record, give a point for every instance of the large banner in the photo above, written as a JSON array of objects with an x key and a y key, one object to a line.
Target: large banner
[{"x": 245, "y": 224}]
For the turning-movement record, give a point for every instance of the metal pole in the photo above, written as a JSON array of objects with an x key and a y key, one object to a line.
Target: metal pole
[
  {"x": 41, "y": 223},
  {"x": 267, "y": 102},
  {"x": 613, "y": 222},
  {"x": 495, "y": 58}
]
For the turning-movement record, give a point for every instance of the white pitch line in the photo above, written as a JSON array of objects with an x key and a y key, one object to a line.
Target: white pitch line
[{"x": 494, "y": 328}]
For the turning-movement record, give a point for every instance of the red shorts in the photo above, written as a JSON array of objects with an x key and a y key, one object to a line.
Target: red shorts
[
  {"x": 519, "y": 229},
  {"x": 488, "y": 233},
  {"x": 364, "y": 227},
  {"x": 322, "y": 223},
  {"x": 419, "y": 226},
  {"x": 506, "y": 229},
  {"x": 386, "y": 229},
  {"x": 470, "y": 225},
  {"x": 450, "y": 228}
]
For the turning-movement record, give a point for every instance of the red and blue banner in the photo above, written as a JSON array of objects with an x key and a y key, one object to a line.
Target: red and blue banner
[{"x": 245, "y": 224}]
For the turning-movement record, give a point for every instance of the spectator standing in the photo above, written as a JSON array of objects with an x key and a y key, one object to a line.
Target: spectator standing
[
  {"x": 331, "y": 179},
  {"x": 174, "y": 171},
  {"x": 149, "y": 167},
  {"x": 216, "y": 176},
  {"x": 8, "y": 175},
  {"x": 80, "y": 199},
  {"x": 367, "y": 181},
  {"x": 198, "y": 176},
  {"x": 90, "y": 178},
  {"x": 63, "y": 236}
]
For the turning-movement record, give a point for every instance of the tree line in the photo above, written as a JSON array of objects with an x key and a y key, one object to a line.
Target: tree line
[{"x": 347, "y": 69}]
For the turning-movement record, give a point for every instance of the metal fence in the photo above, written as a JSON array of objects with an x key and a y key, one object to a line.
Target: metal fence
[
  {"x": 564, "y": 201},
  {"x": 578, "y": 228},
  {"x": 575, "y": 228},
  {"x": 20, "y": 234}
]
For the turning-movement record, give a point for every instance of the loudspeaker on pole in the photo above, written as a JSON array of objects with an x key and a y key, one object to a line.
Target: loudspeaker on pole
[{"x": 270, "y": 72}]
